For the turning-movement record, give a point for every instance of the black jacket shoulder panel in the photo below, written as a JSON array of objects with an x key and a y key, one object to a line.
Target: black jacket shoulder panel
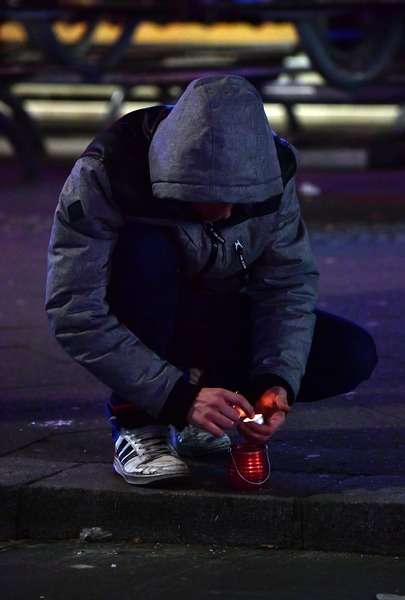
[
  {"x": 123, "y": 148},
  {"x": 286, "y": 158}
]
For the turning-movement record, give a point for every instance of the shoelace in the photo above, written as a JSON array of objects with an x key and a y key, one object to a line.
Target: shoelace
[{"x": 149, "y": 443}]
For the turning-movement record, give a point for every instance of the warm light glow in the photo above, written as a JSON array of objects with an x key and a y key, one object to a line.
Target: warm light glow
[
  {"x": 171, "y": 33},
  {"x": 248, "y": 467},
  {"x": 256, "y": 419}
]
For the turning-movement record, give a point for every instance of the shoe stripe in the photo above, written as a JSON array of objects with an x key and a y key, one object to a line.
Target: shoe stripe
[
  {"x": 144, "y": 458},
  {"x": 125, "y": 451}
]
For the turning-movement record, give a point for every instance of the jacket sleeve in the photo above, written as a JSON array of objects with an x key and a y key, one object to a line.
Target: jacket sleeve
[
  {"x": 282, "y": 291},
  {"x": 84, "y": 234}
]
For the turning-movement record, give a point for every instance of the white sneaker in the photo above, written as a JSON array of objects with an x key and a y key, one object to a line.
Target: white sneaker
[
  {"x": 193, "y": 441},
  {"x": 145, "y": 455}
]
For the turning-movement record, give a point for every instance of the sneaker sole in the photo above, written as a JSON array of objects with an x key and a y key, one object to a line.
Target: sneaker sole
[{"x": 149, "y": 479}]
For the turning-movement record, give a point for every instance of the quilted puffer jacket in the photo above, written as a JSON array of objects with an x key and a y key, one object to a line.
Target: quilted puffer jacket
[{"x": 214, "y": 145}]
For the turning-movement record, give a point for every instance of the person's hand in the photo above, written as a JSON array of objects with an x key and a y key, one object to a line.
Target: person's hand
[
  {"x": 273, "y": 406},
  {"x": 214, "y": 409}
]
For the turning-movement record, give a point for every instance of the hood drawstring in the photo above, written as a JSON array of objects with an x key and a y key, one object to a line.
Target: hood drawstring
[{"x": 239, "y": 250}]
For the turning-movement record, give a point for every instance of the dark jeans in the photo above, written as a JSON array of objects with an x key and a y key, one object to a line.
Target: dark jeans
[{"x": 192, "y": 329}]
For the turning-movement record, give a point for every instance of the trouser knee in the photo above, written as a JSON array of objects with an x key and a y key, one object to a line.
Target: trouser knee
[{"x": 362, "y": 358}]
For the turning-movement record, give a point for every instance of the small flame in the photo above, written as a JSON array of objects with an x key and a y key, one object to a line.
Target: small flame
[{"x": 256, "y": 419}]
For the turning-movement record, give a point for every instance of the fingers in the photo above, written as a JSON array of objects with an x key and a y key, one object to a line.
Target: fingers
[
  {"x": 214, "y": 429},
  {"x": 240, "y": 402},
  {"x": 220, "y": 420},
  {"x": 274, "y": 398},
  {"x": 216, "y": 409},
  {"x": 261, "y": 433}
]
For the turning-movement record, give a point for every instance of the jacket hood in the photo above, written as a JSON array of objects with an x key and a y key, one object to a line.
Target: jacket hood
[{"x": 215, "y": 145}]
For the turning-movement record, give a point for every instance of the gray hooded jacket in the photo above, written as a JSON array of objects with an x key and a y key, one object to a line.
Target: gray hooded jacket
[{"x": 214, "y": 145}]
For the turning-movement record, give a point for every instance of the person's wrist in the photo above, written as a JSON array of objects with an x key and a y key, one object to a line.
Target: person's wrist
[{"x": 267, "y": 381}]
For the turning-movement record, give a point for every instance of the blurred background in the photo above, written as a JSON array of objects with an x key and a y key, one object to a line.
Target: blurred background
[{"x": 331, "y": 74}]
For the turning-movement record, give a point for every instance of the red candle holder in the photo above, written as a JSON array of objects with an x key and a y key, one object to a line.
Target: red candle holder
[{"x": 248, "y": 466}]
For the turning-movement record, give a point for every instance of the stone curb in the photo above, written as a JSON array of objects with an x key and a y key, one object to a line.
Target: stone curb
[{"x": 57, "y": 501}]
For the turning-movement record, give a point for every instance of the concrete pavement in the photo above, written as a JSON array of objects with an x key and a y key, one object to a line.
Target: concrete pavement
[{"x": 338, "y": 468}]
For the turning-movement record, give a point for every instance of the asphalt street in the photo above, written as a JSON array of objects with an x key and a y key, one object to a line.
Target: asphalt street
[{"x": 76, "y": 570}]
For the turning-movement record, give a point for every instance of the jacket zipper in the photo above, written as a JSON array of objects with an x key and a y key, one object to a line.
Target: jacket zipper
[{"x": 216, "y": 239}]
